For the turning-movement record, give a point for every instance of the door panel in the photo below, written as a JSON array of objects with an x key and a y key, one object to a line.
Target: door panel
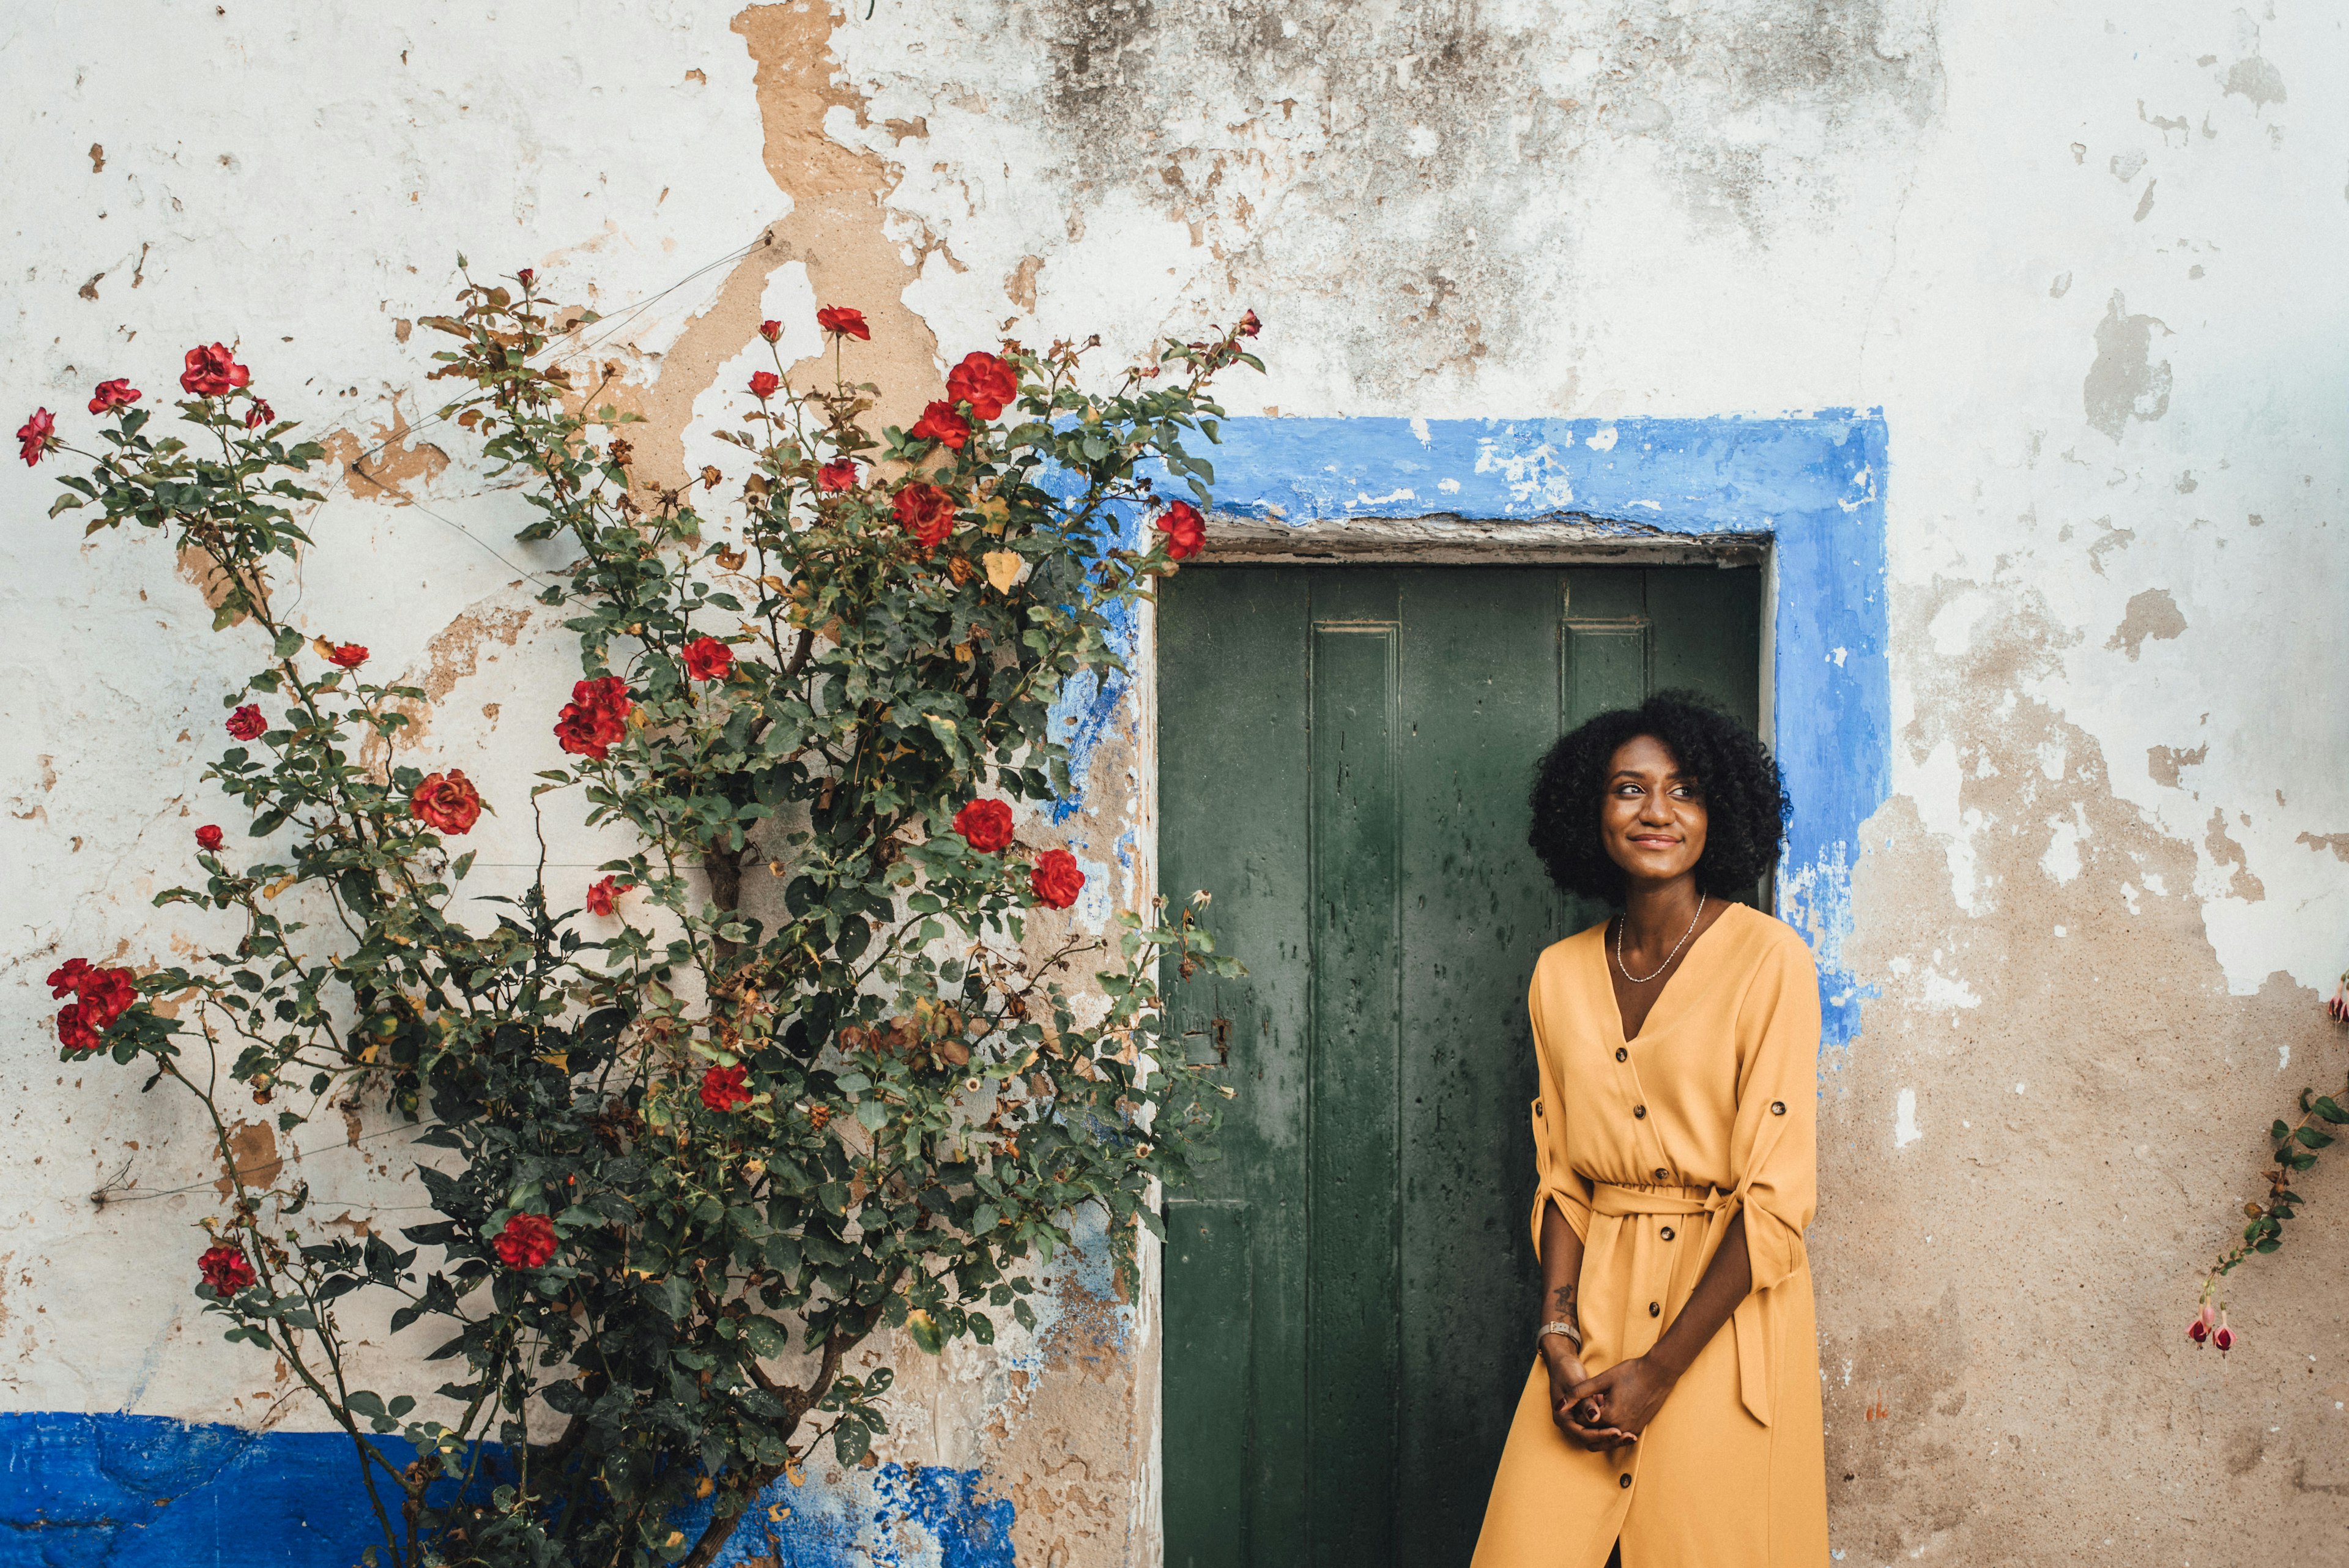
[{"x": 1344, "y": 757}]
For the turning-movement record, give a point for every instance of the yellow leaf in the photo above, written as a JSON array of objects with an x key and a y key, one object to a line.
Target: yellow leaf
[
  {"x": 705, "y": 1488},
  {"x": 1002, "y": 568},
  {"x": 277, "y": 887}
]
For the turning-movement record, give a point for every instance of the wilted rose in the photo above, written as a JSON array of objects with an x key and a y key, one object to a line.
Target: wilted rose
[
  {"x": 259, "y": 414},
  {"x": 528, "y": 1241},
  {"x": 707, "y": 659},
  {"x": 1250, "y": 326},
  {"x": 225, "y": 1268},
  {"x": 925, "y": 512},
  {"x": 725, "y": 1088},
  {"x": 448, "y": 803},
  {"x": 1185, "y": 530},
  {"x": 986, "y": 381},
  {"x": 110, "y": 395},
  {"x": 37, "y": 435},
  {"x": 985, "y": 824},
  {"x": 940, "y": 423},
  {"x": 213, "y": 372},
  {"x": 842, "y": 321},
  {"x": 208, "y": 837},
  {"x": 246, "y": 724},
  {"x": 1056, "y": 879}
]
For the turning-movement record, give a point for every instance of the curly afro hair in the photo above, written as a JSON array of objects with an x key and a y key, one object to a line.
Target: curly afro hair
[{"x": 1745, "y": 802}]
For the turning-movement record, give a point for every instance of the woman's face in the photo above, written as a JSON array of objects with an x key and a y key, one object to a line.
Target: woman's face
[{"x": 1651, "y": 818}]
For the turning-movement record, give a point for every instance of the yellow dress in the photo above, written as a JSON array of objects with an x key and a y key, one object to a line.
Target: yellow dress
[{"x": 1648, "y": 1148}]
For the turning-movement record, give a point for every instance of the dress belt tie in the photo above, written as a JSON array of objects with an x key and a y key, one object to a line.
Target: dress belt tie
[{"x": 1746, "y": 1322}]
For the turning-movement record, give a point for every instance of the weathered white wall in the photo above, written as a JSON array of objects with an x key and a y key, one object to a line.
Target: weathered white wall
[{"x": 2081, "y": 256}]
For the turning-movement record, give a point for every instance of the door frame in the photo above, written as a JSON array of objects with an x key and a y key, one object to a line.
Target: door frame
[{"x": 1804, "y": 494}]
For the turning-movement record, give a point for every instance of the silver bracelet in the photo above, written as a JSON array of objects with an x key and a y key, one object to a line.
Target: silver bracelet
[{"x": 1573, "y": 1333}]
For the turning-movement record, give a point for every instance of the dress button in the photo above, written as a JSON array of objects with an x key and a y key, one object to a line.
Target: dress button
[
  {"x": 1638, "y": 1110},
  {"x": 1778, "y": 1107},
  {"x": 1537, "y": 1107},
  {"x": 1655, "y": 1309},
  {"x": 1625, "y": 1478},
  {"x": 1668, "y": 1232},
  {"x": 1661, "y": 1173},
  {"x": 1621, "y": 1053}
]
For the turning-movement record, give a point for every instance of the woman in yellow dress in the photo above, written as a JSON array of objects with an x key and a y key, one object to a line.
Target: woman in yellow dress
[{"x": 1672, "y": 1416}]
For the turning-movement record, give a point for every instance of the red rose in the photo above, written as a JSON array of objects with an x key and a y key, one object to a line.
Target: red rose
[
  {"x": 1185, "y": 530},
  {"x": 526, "y": 276},
  {"x": 208, "y": 837},
  {"x": 763, "y": 384},
  {"x": 596, "y": 717},
  {"x": 349, "y": 655},
  {"x": 70, "y": 977},
  {"x": 1055, "y": 880},
  {"x": 107, "y": 996},
  {"x": 246, "y": 724},
  {"x": 259, "y": 414},
  {"x": 602, "y": 893},
  {"x": 841, "y": 321},
  {"x": 926, "y": 512},
  {"x": 113, "y": 395},
  {"x": 707, "y": 659},
  {"x": 940, "y": 423},
  {"x": 985, "y": 824},
  {"x": 771, "y": 330},
  {"x": 724, "y": 1088},
  {"x": 984, "y": 381},
  {"x": 1250, "y": 326},
  {"x": 213, "y": 372},
  {"x": 528, "y": 1241},
  {"x": 225, "y": 1268},
  {"x": 37, "y": 436},
  {"x": 448, "y": 803},
  {"x": 75, "y": 1031},
  {"x": 841, "y": 475}
]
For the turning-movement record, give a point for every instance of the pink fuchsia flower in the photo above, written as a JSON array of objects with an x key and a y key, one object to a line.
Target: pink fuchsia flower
[
  {"x": 37, "y": 436},
  {"x": 2223, "y": 1336},
  {"x": 2339, "y": 1006},
  {"x": 110, "y": 395},
  {"x": 707, "y": 659},
  {"x": 724, "y": 1089}
]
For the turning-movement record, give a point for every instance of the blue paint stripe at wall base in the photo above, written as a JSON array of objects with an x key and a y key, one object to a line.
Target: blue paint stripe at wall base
[{"x": 142, "y": 1492}]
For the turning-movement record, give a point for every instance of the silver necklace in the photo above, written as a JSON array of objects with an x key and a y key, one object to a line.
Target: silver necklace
[{"x": 1644, "y": 979}]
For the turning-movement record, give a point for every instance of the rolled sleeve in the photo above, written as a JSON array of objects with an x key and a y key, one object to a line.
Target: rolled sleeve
[
  {"x": 1558, "y": 1183},
  {"x": 1774, "y": 1147}
]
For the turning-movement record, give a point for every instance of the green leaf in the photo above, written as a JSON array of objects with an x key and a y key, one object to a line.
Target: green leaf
[
  {"x": 2330, "y": 1109},
  {"x": 2311, "y": 1138}
]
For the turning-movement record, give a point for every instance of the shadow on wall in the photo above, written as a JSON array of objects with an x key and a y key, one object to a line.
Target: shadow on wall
[{"x": 143, "y": 1492}]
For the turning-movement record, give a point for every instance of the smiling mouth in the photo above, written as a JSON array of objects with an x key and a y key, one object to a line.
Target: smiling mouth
[{"x": 1652, "y": 842}]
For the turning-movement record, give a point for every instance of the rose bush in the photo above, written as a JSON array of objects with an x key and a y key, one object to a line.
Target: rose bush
[{"x": 820, "y": 1079}]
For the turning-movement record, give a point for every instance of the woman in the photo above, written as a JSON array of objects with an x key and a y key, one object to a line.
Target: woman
[{"x": 1673, "y": 1414}]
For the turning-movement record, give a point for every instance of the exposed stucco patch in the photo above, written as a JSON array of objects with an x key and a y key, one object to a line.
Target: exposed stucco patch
[
  {"x": 2162, "y": 764},
  {"x": 2151, "y": 614},
  {"x": 2125, "y": 383},
  {"x": 388, "y": 463},
  {"x": 2225, "y": 851}
]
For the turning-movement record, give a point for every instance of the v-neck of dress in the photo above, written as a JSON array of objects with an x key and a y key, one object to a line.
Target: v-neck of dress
[{"x": 1606, "y": 975}]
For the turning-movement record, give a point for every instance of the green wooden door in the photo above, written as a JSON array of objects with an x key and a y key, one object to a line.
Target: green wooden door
[{"x": 1344, "y": 758}]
